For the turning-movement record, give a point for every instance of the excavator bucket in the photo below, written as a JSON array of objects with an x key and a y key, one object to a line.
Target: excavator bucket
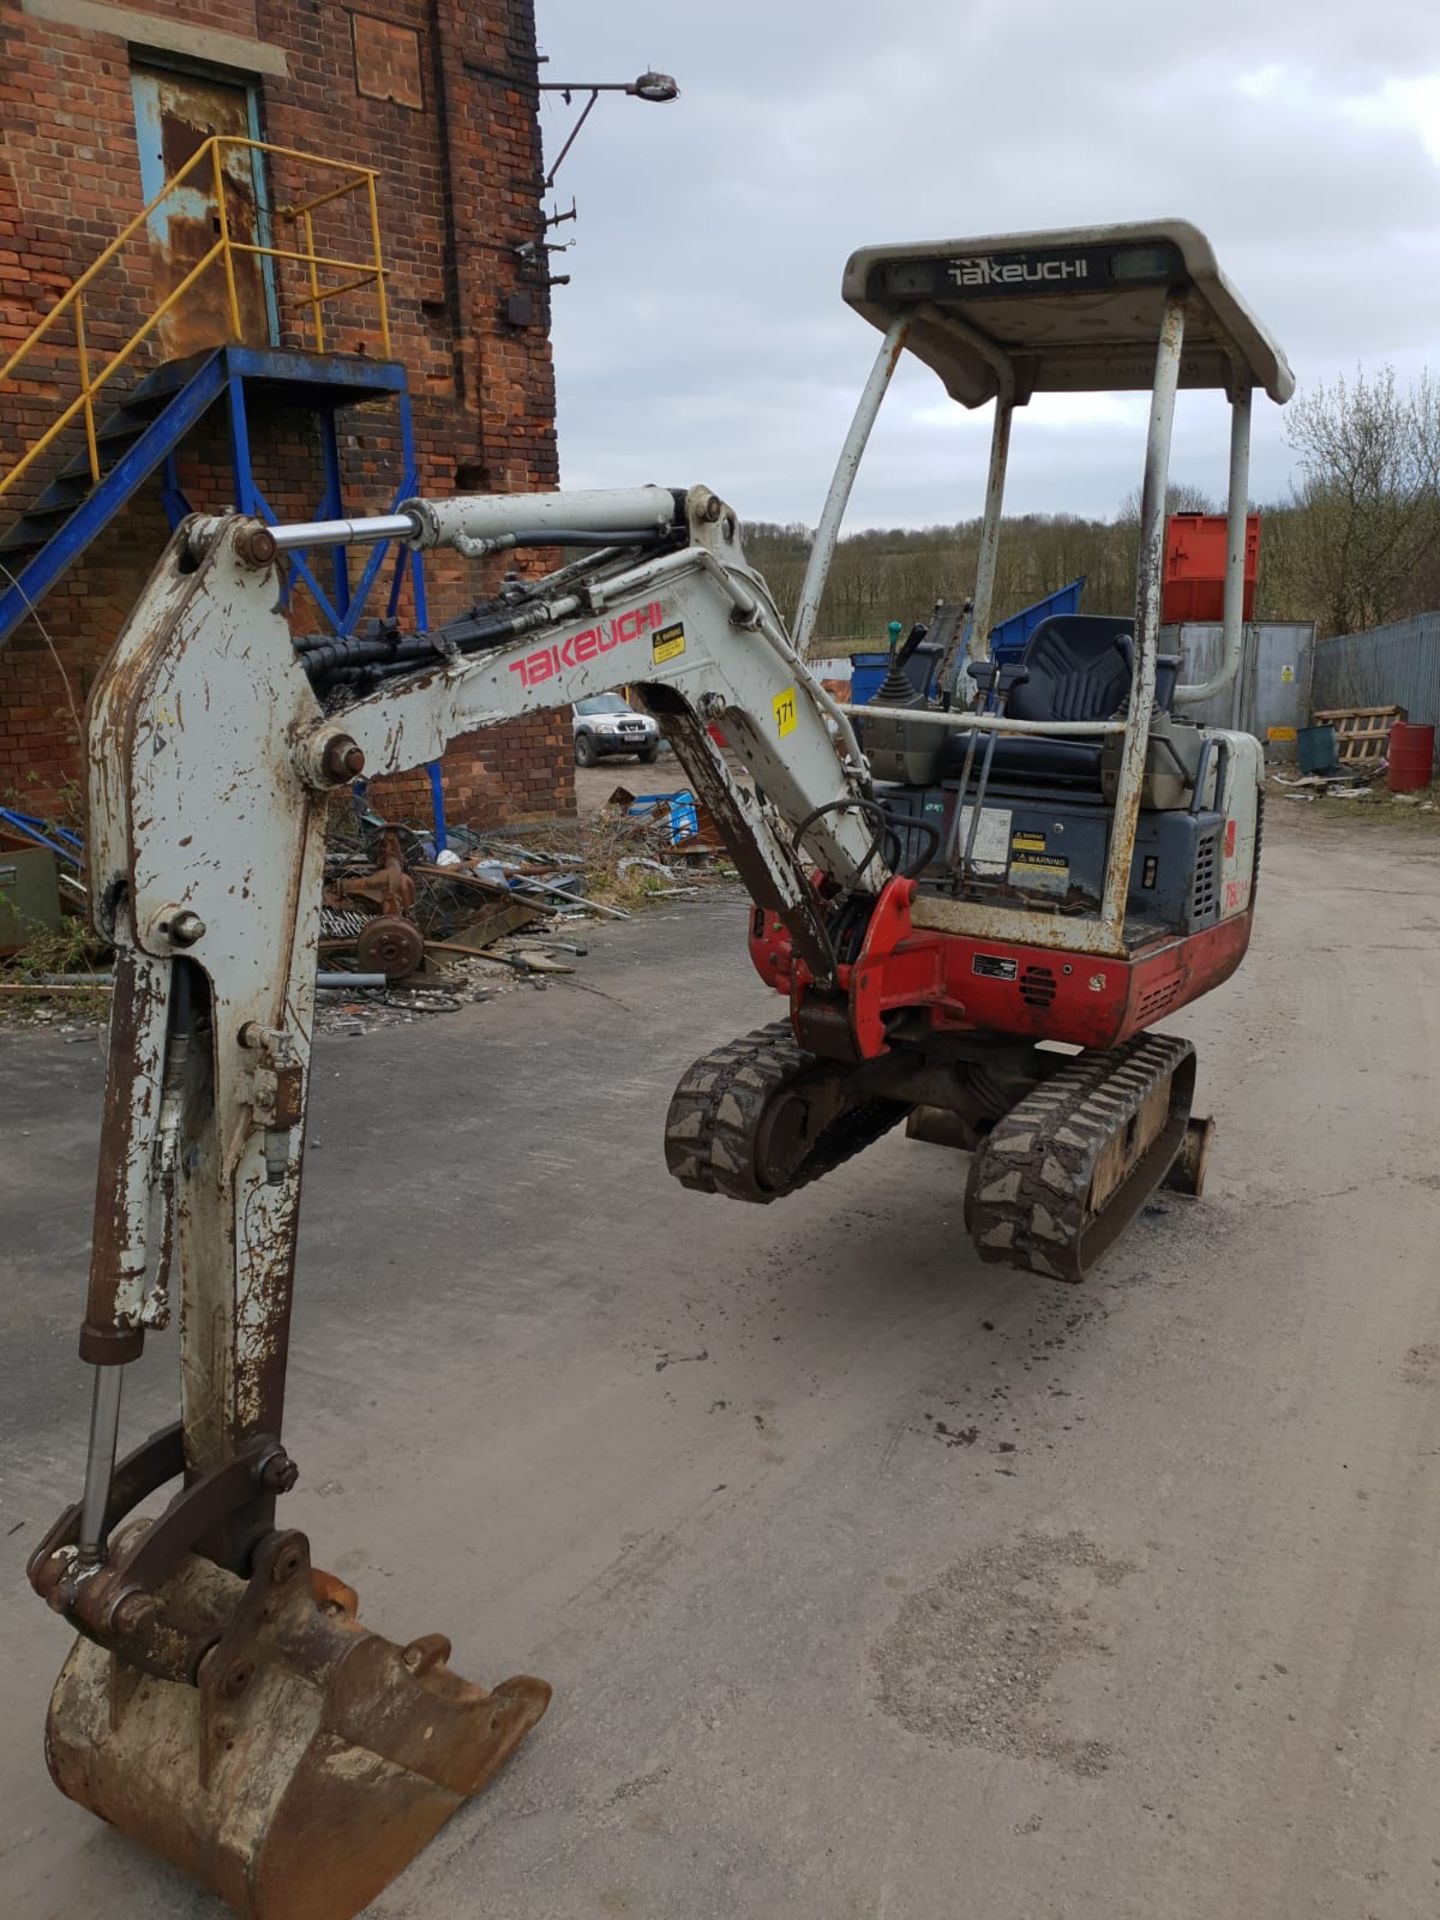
[{"x": 307, "y": 1762}]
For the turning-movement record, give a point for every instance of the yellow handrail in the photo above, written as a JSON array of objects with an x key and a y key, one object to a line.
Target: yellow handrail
[{"x": 364, "y": 273}]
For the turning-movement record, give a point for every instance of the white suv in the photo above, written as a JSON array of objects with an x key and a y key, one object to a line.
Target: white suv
[{"x": 604, "y": 724}]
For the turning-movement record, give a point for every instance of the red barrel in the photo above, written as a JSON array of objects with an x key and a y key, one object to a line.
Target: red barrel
[{"x": 1411, "y": 757}]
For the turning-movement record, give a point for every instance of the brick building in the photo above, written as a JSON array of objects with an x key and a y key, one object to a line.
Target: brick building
[{"x": 100, "y": 105}]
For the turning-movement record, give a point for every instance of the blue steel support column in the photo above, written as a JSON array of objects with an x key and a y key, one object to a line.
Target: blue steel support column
[
  {"x": 334, "y": 507},
  {"x": 347, "y": 607},
  {"x": 422, "y": 614},
  {"x": 245, "y": 500},
  {"x": 172, "y": 494}
]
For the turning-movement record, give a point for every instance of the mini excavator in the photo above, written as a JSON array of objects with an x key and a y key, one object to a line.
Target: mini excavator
[{"x": 977, "y": 905}]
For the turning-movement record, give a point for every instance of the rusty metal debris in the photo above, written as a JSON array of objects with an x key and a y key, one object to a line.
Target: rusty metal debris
[
  {"x": 404, "y": 934},
  {"x": 393, "y": 907}
]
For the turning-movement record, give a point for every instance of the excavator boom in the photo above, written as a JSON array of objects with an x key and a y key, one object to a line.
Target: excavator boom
[{"x": 222, "y": 1702}]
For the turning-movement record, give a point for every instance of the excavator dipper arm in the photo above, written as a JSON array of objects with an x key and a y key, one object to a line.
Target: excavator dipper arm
[{"x": 222, "y": 1703}]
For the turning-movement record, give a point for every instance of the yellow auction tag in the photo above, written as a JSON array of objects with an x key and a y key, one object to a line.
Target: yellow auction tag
[
  {"x": 787, "y": 717},
  {"x": 1280, "y": 733}
]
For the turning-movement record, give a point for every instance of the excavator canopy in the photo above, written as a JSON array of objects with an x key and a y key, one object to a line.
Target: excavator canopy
[{"x": 1075, "y": 310}]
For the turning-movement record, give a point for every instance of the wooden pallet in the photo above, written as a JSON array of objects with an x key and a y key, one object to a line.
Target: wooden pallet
[{"x": 1362, "y": 734}]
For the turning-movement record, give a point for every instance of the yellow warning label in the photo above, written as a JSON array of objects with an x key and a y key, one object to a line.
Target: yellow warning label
[
  {"x": 1280, "y": 733},
  {"x": 1027, "y": 843},
  {"x": 1040, "y": 872},
  {"x": 667, "y": 644},
  {"x": 787, "y": 716}
]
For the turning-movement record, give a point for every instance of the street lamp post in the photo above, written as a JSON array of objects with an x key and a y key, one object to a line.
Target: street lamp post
[{"x": 656, "y": 87}]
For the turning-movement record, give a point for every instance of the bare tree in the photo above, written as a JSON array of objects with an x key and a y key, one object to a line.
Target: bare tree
[
  {"x": 1181, "y": 496},
  {"x": 1367, "y": 498}
]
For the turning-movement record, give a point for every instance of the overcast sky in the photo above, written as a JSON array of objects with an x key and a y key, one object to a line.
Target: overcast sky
[{"x": 702, "y": 337}]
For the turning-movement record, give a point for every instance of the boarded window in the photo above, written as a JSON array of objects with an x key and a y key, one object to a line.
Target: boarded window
[{"x": 387, "y": 61}]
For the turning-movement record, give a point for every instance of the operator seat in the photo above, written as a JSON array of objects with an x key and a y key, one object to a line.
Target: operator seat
[{"x": 1075, "y": 667}]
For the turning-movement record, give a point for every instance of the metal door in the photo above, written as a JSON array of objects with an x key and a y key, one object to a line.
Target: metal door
[
  {"x": 1269, "y": 697},
  {"x": 175, "y": 113},
  {"x": 1280, "y": 682}
]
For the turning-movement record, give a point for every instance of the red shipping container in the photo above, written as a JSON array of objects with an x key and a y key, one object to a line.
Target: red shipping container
[{"x": 1193, "y": 580}]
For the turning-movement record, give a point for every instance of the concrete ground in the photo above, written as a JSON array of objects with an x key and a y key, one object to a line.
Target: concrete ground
[
  {"x": 874, "y": 1584},
  {"x": 594, "y": 785}
]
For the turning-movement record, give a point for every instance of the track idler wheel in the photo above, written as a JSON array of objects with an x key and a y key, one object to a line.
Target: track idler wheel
[{"x": 306, "y": 1763}]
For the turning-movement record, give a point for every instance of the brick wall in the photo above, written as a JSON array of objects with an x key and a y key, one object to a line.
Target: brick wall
[{"x": 439, "y": 98}]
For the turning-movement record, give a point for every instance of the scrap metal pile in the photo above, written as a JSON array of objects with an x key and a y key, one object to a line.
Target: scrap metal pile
[
  {"x": 407, "y": 930},
  {"x": 398, "y": 913}
]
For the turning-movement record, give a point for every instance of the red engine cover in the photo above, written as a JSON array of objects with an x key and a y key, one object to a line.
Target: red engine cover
[{"x": 963, "y": 983}]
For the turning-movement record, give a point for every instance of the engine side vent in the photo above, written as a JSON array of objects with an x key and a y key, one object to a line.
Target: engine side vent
[
  {"x": 1205, "y": 895},
  {"x": 1154, "y": 1003},
  {"x": 1037, "y": 986}
]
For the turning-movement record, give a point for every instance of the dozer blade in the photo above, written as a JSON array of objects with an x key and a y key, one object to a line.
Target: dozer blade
[
  {"x": 309, "y": 1761},
  {"x": 1069, "y": 1167}
]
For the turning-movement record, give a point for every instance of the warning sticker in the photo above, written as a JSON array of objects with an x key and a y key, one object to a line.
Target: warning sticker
[
  {"x": 991, "y": 851},
  {"x": 994, "y": 966},
  {"x": 1040, "y": 872},
  {"x": 1027, "y": 842},
  {"x": 668, "y": 643},
  {"x": 786, "y": 714}
]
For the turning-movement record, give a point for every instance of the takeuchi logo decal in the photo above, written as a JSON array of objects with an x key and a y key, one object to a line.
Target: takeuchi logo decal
[
  {"x": 545, "y": 662},
  {"x": 986, "y": 271}
]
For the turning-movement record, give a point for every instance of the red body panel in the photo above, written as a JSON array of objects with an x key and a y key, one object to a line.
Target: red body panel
[{"x": 966, "y": 984}]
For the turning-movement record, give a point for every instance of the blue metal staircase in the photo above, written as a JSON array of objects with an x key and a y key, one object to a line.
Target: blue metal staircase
[
  {"x": 132, "y": 442},
  {"x": 146, "y": 427},
  {"x": 143, "y": 434}
]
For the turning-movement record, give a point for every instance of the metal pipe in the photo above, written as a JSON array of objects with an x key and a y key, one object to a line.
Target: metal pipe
[
  {"x": 1236, "y": 508},
  {"x": 952, "y": 846},
  {"x": 555, "y": 537},
  {"x": 100, "y": 1463},
  {"x": 979, "y": 648},
  {"x": 575, "y": 899},
  {"x": 994, "y": 722},
  {"x": 822, "y": 547},
  {"x": 484, "y": 516},
  {"x": 348, "y": 533},
  {"x": 342, "y": 982},
  {"x": 585, "y": 113},
  {"x": 969, "y": 854},
  {"x": 1148, "y": 572}
]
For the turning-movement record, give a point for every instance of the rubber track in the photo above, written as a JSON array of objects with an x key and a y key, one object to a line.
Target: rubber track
[
  {"x": 1028, "y": 1185},
  {"x": 716, "y": 1112}
]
